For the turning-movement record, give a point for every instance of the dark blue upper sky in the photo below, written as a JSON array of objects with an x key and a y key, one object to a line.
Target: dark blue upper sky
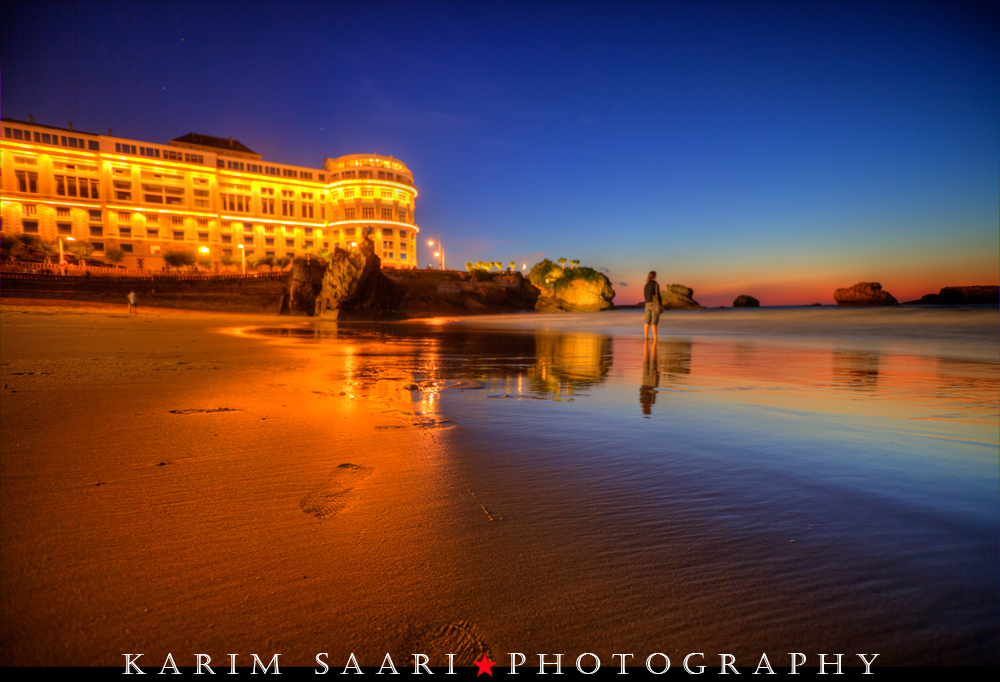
[{"x": 737, "y": 147}]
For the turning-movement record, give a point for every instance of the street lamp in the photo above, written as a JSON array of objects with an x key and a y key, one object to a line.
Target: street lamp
[
  {"x": 62, "y": 257},
  {"x": 243, "y": 258},
  {"x": 439, "y": 254}
]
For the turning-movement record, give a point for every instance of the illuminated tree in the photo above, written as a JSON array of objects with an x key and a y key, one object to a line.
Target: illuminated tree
[
  {"x": 114, "y": 255},
  {"x": 179, "y": 259},
  {"x": 562, "y": 262},
  {"x": 574, "y": 263},
  {"x": 81, "y": 249},
  {"x": 48, "y": 250}
]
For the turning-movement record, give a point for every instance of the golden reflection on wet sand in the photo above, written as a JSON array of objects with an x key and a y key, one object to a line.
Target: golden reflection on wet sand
[{"x": 375, "y": 488}]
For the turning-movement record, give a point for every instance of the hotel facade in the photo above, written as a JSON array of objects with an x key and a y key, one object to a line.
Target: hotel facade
[{"x": 199, "y": 193}]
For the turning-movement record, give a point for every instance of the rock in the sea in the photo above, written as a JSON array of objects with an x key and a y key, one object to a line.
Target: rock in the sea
[
  {"x": 428, "y": 293},
  {"x": 864, "y": 294},
  {"x": 961, "y": 296},
  {"x": 354, "y": 287},
  {"x": 678, "y": 297},
  {"x": 573, "y": 290},
  {"x": 305, "y": 283},
  {"x": 744, "y": 301}
]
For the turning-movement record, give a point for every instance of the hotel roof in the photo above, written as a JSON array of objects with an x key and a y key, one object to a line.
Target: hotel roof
[{"x": 215, "y": 143}]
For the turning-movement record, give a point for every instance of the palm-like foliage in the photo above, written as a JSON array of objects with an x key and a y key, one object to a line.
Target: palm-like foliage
[
  {"x": 81, "y": 249},
  {"x": 48, "y": 250},
  {"x": 114, "y": 255}
]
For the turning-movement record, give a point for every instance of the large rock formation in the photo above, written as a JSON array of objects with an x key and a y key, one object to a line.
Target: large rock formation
[
  {"x": 575, "y": 290},
  {"x": 863, "y": 294},
  {"x": 961, "y": 296},
  {"x": 430, "y": 293},
  {"x": 678, "y": 297},
  {"x": 744, "y": 301},
  {"x": 305, "y": 284},
  {"x": 354, "y": 287}
]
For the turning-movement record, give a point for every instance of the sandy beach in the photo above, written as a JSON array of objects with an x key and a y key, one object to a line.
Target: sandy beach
[{"x": 225, "y": 483}]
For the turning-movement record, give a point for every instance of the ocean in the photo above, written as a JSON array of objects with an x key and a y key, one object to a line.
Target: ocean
[{"x": 774, "y": 480}]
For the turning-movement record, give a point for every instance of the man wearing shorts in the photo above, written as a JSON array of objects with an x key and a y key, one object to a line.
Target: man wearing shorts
[{"x": 653, "y": 306}]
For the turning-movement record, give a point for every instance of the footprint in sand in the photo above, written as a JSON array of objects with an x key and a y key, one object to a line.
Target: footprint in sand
[
  {"x": 333, "y": 496},
  {"x": 460, "y": 638}
]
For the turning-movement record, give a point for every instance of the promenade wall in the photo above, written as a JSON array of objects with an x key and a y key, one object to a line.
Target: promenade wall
[
  {"x": 422, "y": 293},
  {"x": 227, "y": 293}
]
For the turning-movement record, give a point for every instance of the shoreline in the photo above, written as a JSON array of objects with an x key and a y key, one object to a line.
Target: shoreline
[{"x": 474, "y": 515}]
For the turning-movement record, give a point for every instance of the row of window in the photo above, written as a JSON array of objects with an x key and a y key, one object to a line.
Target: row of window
[
  {"x": 125, "y": 217},
  {"x": 31, "y": 227},
  {"x": 360, "y": 174},
  {"x": 172, "y": 155},
  {"x": 47, "y": 138},
  {"x": 245, "y": 167},
  {"x": 368, "y": 213},
  {"x": 66, "y": 186},
  {"x": 401, "y": 197}
]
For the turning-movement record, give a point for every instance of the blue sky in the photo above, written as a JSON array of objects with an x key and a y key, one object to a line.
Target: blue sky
[{"x": 775, "y": 149}]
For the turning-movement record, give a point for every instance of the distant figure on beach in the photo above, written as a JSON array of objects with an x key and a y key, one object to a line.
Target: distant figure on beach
[
  {"x": 654, "y": 305},
  {"x": 133, "y": 302},
  {"x": 650, "y": 377}
]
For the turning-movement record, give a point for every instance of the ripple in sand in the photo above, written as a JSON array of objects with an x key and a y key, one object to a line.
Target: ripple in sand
[
  {"x": 333, "y": 496},
  {"x": 460, "y": 638},
  {"x": 418, "y": 420}
]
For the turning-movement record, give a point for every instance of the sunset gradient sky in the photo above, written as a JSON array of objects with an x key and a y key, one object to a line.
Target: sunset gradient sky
[{"x": 780, "y": 150}]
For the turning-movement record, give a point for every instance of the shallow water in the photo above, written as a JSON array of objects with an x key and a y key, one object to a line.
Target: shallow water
[{"x": 771, "y": 481}]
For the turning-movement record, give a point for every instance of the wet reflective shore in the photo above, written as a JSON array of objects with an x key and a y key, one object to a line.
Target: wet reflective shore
[{"x": 814, "y": 481}]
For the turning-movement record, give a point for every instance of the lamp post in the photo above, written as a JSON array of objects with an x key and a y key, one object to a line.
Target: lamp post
[
  {"x": 439, "y": 254},
  {"x": 62, "y": 257},
  {"x": 243, "y": 258}
]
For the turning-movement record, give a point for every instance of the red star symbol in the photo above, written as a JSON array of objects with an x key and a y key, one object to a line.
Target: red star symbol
[{"x": 484, "y": 666}]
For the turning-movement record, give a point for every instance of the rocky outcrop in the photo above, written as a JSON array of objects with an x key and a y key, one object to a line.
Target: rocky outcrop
[
  {"x": 678, "y": 297},
  {"x": 574, "y": 290},
  {"x": 354, "y": 287},
  {"x": 305, "y": 284},
  {"x": 975, "y": 295},
  {"x": 864, "y": 294},
  {"x": 744, "y": 301},
  {"x": 431, "y": 293}
]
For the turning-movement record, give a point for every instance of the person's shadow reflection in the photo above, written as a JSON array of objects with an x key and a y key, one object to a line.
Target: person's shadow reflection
[{"x": 650, "y": 378}]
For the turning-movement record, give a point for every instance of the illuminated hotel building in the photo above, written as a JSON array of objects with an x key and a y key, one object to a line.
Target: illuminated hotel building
[{"x": 199, "y": 191}]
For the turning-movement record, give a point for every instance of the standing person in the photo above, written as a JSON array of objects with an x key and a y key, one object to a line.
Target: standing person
[
  {"x": 654, "y": 305},
  {"x": 133, "y": 302}
]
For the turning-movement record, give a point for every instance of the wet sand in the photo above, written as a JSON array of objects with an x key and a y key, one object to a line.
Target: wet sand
[{"x": 212, "y": 483}]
